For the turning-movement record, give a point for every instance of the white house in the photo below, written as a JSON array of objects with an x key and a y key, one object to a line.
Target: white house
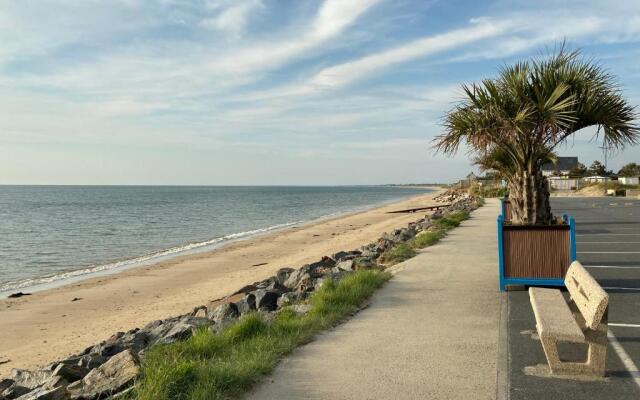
[
  {"x": 629, "y": 180},
  {"x": 596, "y": 179}
]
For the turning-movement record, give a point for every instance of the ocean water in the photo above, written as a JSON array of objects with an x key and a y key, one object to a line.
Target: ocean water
[{"x": 52, "y": 233}]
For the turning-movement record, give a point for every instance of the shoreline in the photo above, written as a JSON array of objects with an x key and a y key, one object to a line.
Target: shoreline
[
  {"x": 63, "y": 278},
  {"x": 54, "y": 323}
]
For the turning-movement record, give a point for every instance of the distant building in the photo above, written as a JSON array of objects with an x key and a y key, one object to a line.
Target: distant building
[
  {"x": 563, "y": 166},
  {"x": 597, "y": 179},
  {"x": 563, "y": 183},
  {"x": 629, "y": 180}
]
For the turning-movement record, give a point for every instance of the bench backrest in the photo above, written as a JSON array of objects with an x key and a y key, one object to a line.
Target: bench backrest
[{"x": 587, "y": 294}]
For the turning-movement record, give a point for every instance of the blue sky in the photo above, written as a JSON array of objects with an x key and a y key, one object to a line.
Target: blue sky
[{"x": 270, "y": 92}]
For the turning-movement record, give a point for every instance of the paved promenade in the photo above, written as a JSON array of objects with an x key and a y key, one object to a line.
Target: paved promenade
[{"x": 430, "y": 333}]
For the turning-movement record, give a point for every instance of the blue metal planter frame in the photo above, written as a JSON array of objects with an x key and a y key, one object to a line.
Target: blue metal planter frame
[{"x": 504, "y": 281}]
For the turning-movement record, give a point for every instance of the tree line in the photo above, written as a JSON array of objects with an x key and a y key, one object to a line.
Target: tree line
[{"x": 598, "y": 169}]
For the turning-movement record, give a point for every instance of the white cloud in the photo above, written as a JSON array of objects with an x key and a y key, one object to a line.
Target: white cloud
[
  {"x": 333, "y": 17},
  {"x": 525, "y": 34},
  {"x": 343, "y": 74},
  {"x": 346, "y": 73},
  {"x": 234, "y": 18}
]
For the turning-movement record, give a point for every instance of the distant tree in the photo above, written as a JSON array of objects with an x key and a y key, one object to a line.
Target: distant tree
[
  {"x": 597, "y": 168},
  {"x": 579, "y": 170},
  {"x": 631, "y": 169}
]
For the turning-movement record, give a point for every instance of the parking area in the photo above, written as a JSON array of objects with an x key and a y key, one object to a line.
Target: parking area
[{"x": 608, "y": 244}]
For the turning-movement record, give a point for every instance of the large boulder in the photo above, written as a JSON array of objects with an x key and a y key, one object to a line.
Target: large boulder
[
  {"x": 266, "y": 300},
  {"x": 383, "y": 245},
  {"x": 14, "y": 391},
  {"x": 277, "y": 287},
  {"x": 370, "y": 253},
  {"x": 183, "y": 328},
  {"x": 6, "y": 383},
  {"x": 88, "y": 361},
  {"x": 319, "y": 268},
  {"x": 345, "y": 255},
  {"x": 69, "y": 373},
  {"x": 283, "y": 274},
  {"x": 200, "y": 312},
  {"x": 345, "y": 265},
  {"x": 43, "y": 393},
  {"x": 245, "y": 289},
  {"x": 246, "y": 304},
  {"x": 296, "y": 278},
  {"x": 111, "y": 377},
  {"x": 166, "y": 331},
  {"x": 363, "y": 263},
  {"x": 264, "y": 284},
  {"x": 30, "y": 379},
  {"x": 135, "y": 339},
  {"x": 224, "y": 314},
  {"x": 291, "y": 297}
]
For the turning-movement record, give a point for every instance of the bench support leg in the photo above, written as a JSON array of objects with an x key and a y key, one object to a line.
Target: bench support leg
[{"x": 596, "y": 355}]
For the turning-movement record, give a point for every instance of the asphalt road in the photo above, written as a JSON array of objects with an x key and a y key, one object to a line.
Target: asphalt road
[{"x": 608, "y": 244}]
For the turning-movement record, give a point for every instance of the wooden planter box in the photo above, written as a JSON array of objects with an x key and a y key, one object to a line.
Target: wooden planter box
[{"x": 535, "y": 255}]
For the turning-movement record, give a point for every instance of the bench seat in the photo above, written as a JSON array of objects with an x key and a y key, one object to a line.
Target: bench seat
[
  {"x": 553, "y": 316},
  {"x": 582, "y": 320}
]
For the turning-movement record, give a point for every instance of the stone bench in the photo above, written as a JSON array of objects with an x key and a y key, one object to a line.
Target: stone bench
[{"x": 582, "y": 320}]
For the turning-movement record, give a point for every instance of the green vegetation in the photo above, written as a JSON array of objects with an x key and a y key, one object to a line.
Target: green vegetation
[
  {"x": 404, "y": 251},
  {"x": 598, "y": 169},
  {"x": 224, "y": 365},
  {"x": 426, "y": 239},
  {"x": 451, "y": 221},
  {"x": 631, "y": 169},
  {"x": 398, "y": 253},
  {"x": 482, "y": 191}
]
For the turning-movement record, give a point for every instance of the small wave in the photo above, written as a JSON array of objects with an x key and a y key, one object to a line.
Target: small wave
[{"x": 92, "y": 269}]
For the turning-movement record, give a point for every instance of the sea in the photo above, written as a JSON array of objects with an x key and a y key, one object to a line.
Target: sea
[{"x": 51, "y": 235}]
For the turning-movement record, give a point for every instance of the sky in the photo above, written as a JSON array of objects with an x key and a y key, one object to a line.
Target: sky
[{"x": 247, "y": 92}]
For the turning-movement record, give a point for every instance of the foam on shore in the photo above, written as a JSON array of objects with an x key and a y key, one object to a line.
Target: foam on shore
[{"x": 58, "y": 279}]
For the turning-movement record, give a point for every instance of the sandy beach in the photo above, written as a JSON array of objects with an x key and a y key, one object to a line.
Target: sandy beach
[{"x": 52, "y": 324}]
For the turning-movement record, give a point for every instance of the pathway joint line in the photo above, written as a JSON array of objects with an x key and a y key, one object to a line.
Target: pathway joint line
[{"x": 625, "y": 325}]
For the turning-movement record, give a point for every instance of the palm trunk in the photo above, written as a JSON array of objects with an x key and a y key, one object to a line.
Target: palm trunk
[{"x": 529, "y": 197}]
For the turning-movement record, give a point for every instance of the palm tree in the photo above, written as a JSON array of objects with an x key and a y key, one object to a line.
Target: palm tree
[{"x": 529, "y": 110}]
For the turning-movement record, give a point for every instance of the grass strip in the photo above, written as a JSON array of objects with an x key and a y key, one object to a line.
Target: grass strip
[
  {"x": 452, "y": 220},
  {"x": 224, "y": 365},
  {"x": 398, "y": 253},
  {"x": 427, "y": 238},
  {"x": 405, "y": 251}
]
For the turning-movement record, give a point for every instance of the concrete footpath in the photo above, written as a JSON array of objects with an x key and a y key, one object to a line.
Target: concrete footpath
[{"x": 430, "y": 333}]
